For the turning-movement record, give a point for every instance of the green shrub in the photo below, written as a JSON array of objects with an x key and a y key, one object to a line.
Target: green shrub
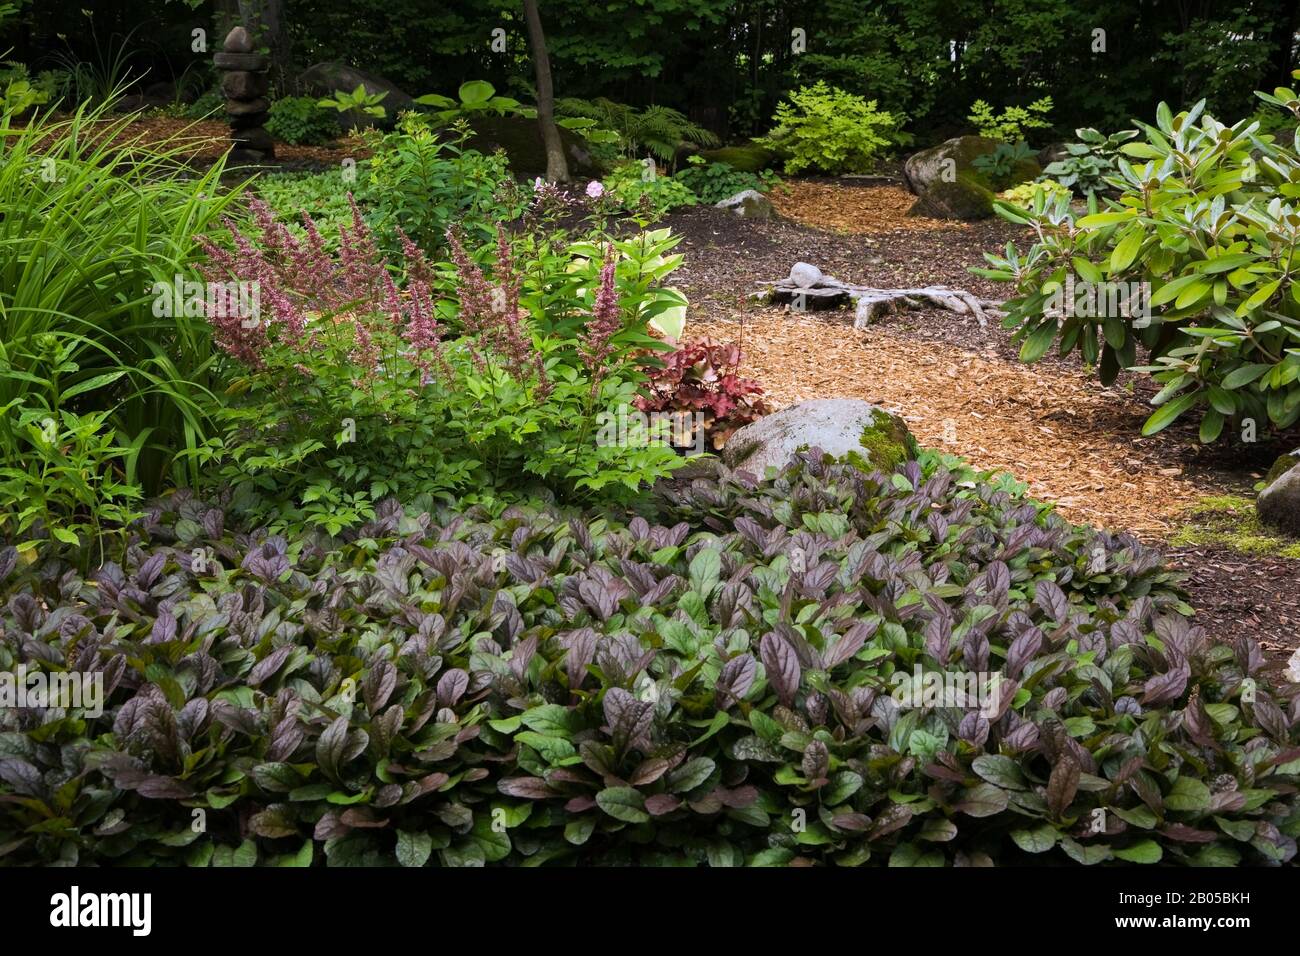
[
  {"x": 423, "y": 181},
  {"x": 658, "y": 131},
  {"x": 1013, "y": 123},
  {"x": 453, "y": 689},
  {"x": 1025, "y": 193},
  {"x": 474, "y": 97},
  {"x": 639, "y": 189},
  {"x": 62, "y": 480},
  {"x": 19, "y": 92},
  {"x": 300, "y": 121},
  {"x": 94, "y": 227},
  {"x": 825, "y": 129},
  {"x": 360, "y": 103},
  {"x": 209, "y": 105},
  {"x": 1000, "y": 166},
  {"x": 713, "y": 182},
  {"x": 1204, "y": 223}
]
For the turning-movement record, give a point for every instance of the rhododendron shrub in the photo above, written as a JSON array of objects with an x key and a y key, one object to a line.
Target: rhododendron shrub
[{"x": 361, "y": 378}]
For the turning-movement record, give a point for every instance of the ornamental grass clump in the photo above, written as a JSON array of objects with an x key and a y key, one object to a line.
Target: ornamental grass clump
[{"x": 728, "y": 680}]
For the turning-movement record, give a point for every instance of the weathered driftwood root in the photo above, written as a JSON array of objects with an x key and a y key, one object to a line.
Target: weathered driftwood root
[{"x": 807, "y": 284}]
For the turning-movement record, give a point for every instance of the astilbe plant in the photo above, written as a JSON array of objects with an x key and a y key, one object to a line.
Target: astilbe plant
[
  {"x": 716, "y": 683},
  {"x": 703, "y": 376},
  {"x": 362, "y": 379}
]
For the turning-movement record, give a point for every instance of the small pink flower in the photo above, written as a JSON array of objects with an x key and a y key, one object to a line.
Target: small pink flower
[
  {"x": 538, "y": 184},
  {"x": 595, "y": 190}
]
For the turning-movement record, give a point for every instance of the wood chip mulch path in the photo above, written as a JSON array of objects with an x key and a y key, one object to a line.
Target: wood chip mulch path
[
  {"x": 852, "y": 209},
  {"x": 1058, "y": 431},
  {"x": 1239, "y": 595}
]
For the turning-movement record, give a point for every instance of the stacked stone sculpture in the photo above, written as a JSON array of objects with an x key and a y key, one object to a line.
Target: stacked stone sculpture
[{"x": 244, "y": 82}]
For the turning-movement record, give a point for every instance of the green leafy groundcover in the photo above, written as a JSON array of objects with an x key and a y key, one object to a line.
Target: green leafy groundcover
[{"x": 709, "y": 686}]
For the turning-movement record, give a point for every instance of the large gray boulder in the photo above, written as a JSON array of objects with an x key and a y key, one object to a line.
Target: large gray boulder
[
  {"x": 326, "y": 79},
  {"x": 944, "y": 162},
  {"x": 1279, "y": 503},
  {"x": 750, "y": 204},
  {"x": 844, "y": 427},
  {"x": 521, "y": 138}
]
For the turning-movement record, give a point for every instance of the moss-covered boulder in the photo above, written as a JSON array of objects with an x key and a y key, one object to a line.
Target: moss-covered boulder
[
  {"x": 945, "y": 162},
  {"x": 1283, "y": 464},
  {"x": 964, "y": 198},
  {"x": 849, "y": 428},
  {"x": 749, "y": 159},
  {"x": 1279, "y": 503},
  {"x": 521, "y": 138}
]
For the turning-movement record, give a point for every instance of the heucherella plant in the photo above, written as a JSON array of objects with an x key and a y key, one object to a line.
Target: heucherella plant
[
  {"x": 729, "y": 680},
  {"x": 354, "y": 387},
  {"x": 1206, "y": 222}
]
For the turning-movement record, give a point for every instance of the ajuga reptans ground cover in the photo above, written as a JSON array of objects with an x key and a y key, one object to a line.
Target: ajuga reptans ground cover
[{"x": 711, "y": 681}]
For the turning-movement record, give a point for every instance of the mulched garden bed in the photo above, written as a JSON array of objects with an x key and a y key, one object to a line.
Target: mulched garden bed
[
  {"x": 206, "y": 140},
  {"x": 1238, "y": 596},
  {"x": 1052, "y": 424}
]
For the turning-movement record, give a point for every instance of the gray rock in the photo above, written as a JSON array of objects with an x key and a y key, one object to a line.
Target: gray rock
[
  {"x": 238, "y": 107},
  {"x": 241, "y": 61},
  {"x": 1279, "y": 503},
  {"x": 243, "y": 85},
  {"x": 805, "y": 275},
  {"x": 1052, "y": 153},
  {"x": 922, "y": 170},
  {"x": 868, "y": 435},
  {"x": 238, "y": 41},
  {"x": 254, "y": 138},
  {"x": 521, "y": 138},
  {"x": 964, "y": 200},
  {"x": 1292, "y": 672},
  {"x": 326, "y": 79},
  {"x": 750, "y": 204}
]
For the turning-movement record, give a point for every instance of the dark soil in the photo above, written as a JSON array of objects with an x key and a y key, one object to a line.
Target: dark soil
[{"x": 1239, "y": 596}]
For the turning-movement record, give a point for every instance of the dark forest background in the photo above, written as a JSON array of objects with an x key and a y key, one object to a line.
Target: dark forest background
[{"x": 726, "y": 64}]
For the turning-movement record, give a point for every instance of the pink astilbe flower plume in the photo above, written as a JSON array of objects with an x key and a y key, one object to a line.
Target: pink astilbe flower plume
[
  {"x": 492, "y": 316},
  {"x": 516, "y": 340},
  {"x": 475, "y": 296},
  {"x": 595, "y": 344}
]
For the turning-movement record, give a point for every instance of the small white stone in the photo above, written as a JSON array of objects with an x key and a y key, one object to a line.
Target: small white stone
[
  {"x": 1292, "y": 672},
  {"x": 805, "y": 275}
]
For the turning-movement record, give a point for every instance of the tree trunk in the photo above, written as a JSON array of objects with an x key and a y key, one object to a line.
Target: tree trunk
[
  {"x": 557, "y": 167},
  {"x": 265, "y": 21}
]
